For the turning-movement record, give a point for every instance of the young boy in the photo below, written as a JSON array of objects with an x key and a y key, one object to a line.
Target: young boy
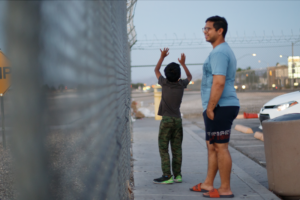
[{"x": 170, "y": 129}]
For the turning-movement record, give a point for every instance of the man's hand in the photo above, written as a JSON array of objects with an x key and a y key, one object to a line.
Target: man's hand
[
  {"x": 210, "y": 114},
  {"x": 164, "y": 53},
  {"x": 182, "y": 60}
]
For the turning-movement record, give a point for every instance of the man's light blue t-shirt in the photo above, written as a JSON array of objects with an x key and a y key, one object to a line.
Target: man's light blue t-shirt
[{"x": 221, "y": 61}]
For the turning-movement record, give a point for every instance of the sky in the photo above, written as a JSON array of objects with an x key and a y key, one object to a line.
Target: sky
[
  {"x": 171, "y": 19},
  {"x": 185, "y": 19}
]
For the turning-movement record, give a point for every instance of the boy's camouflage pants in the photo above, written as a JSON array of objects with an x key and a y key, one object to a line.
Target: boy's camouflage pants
[{"x": 170, "y": 130}]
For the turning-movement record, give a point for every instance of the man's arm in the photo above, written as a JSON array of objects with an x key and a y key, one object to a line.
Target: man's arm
[
  {"x": 164, "y": 53},
  {"x": 182, "y": 62},
  {"x": 215, "y": 94}
]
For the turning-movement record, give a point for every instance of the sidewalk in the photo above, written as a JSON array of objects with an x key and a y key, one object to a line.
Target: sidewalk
[{"x": 194, "y": 167}]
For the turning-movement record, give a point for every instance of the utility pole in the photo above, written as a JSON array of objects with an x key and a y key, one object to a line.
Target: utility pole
[{"x": 293, "y": 66}]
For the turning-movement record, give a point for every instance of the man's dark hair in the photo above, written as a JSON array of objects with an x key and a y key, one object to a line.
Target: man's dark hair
[
  {"x": 219, "y": 22},
  {"x": 172, "y": 72}
]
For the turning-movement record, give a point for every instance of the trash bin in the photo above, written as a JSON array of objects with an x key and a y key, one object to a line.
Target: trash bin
[
  {"x": 157, "y": 98},
  {"x": 282, "y": 148}
]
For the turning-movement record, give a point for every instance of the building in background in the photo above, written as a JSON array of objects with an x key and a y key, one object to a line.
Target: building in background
[
  {"x": 252, "y": 79},
  {"x": 262, "y": 80},
  {"x": 278, "y": 77},
  {"x": 281, "y": 76},
  {"x": 270, "y": 78}
]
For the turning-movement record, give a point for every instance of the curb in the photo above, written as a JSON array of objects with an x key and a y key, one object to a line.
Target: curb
[
  {"x": 240, "y": 116},
  {"x": 259, "y": 135},
  {"x": 243, "y": 129}
]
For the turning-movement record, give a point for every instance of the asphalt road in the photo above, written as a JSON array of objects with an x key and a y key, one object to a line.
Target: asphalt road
[{"x": 246, "y": 143}]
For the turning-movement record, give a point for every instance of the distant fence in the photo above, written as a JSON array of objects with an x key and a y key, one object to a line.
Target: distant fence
[{"x": 70, "y": 101}]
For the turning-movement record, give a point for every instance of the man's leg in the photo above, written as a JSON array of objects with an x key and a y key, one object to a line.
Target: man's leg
[
  {"x": 163, "y": 143},
  {"x": 224, "y": 164},
  {"x": 222, "y": 124},
  {"x": 212, "y": 168},
  {"x": 176, "y": 146}
]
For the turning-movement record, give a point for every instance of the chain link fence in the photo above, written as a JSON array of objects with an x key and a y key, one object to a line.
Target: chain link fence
[{"x": 69, "y": 104}]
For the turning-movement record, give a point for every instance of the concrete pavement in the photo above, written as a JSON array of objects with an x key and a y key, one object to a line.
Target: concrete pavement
[{"x": 194, "y": 167}]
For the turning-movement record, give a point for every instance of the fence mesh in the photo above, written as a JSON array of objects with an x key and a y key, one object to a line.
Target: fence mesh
[{"x": 69, "y": 101}]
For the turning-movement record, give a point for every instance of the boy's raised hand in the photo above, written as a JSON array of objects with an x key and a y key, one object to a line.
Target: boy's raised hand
[
  {"x": 182, "y": 60},
  {"x": 164, "y": 53}
]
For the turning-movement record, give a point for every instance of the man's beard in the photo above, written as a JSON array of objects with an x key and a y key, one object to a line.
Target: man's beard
[{"x": 211, "y": 40}]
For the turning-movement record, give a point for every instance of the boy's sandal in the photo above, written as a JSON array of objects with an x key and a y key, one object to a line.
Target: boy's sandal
[
  {"x": 197, "y": 188},
  {"x": 215, "y": 194}
]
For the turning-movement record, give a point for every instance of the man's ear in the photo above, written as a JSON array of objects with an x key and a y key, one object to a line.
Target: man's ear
[{"x": 220, "y": 31}]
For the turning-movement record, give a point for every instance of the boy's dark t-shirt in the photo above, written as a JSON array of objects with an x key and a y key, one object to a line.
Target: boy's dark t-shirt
[{"x": 172, "y": 93}]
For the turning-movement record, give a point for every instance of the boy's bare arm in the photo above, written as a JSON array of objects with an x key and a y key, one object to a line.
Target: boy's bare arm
[
  {"x": 164, "y": 53},
  {"x": 182, "y": 62}
]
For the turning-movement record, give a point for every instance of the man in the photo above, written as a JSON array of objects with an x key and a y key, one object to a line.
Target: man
[{"x": 220, "y": 105}]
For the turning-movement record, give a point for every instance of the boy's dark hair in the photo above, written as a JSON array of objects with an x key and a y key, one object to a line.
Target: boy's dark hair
[
  {"x": 172, "y": 72},
  {"x": 219, "y": 22}
]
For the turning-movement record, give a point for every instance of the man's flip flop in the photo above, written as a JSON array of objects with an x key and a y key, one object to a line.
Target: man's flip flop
[
  {"x": 197, "y": 188},
  {"x": 215, "y": 194}
]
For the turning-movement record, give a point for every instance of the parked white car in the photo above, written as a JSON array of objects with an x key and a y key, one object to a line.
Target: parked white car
[{"x": 281, "y": 105}]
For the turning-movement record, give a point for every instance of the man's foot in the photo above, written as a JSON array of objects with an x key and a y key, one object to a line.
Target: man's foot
[
  {"x": 178, "y": 179},
  {"x": 216, "y": 193},
  {"x": 164, "y": 180},
  {"x": 225, "y": 191},
  {"x": 200, "y": 188}
]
